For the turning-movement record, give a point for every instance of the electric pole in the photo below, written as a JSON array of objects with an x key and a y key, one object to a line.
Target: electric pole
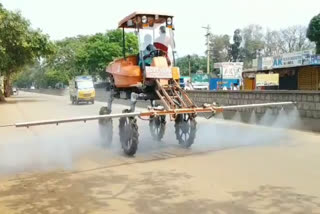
[
  {"x": 208, "y": 47},
  {"x": 189, "y": 58}
]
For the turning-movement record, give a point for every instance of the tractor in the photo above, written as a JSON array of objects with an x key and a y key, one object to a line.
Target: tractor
[{"x": 151, "y": 76}]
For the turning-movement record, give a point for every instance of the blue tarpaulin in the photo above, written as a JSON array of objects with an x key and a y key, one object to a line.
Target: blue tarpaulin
[{"x": 218, "y": 83}]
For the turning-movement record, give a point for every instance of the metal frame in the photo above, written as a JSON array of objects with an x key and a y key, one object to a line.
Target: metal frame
[
  {"x": 123, "y": 44},
  {"x": 173, "y": 112}
]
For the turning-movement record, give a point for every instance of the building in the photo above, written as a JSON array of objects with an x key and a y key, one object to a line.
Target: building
[{"x": 296, "y": 71}]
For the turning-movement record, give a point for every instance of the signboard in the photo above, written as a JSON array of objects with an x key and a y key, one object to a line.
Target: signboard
[
  {"x": 315, "y": 60},
  {"x": 286, "y": 60},
  {"x": 255, "y": 63},
  {"x": 200, "y": 81},
  {"x": 266, "y": 63},
  {"x": 292, "y": 59},
  {"x": 230, "y": 70},
  {"x": 267, "y": 79},
  {"x": 158, "y": 73},
  {"x": 218, "y": 84},
  {"x": 200, "y": 78}
]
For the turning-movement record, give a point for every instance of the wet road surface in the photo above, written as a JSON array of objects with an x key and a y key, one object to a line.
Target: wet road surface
[{"x": 53, "y": 162}]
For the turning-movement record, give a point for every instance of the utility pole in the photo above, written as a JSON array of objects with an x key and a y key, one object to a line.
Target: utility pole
[
  {"x": 208, "y": 48},
  {"x": 189, "y": 58}
]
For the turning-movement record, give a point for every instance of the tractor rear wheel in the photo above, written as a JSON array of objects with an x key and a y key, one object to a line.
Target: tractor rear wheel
[
  {"x": 185, "y": 129},
  {"x": 129, "y": 136},
  {"x": 157, "y": 127},
  {"x": 105, "y": 127}
]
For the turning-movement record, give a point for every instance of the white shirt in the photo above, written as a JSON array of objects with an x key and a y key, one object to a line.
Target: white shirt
[{"x": 165, "y": 40}]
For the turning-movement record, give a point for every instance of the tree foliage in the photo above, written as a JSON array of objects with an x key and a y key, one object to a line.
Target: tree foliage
[
  {"x": 65, "y": 57},
  {"x": 82, "y": 55},
  {"x": 53, "y": 78},
  {"x": 313, "y": 32},
  {"x": 91, "y": 54},
  {"x": 196, "y": 63},
  {"x": 270, "y": 43},
  {"x": 219, "y": 46},
  {"x": 20, "y": 45},
  {"x": 252, "y": 43}
]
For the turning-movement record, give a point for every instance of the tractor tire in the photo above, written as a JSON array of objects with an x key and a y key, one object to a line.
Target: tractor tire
[
  {"x": 157, "y": 127},
  {"x": 185, "y": 129},
  {"x": 105, "y": 127},
  {"x": 129, "y": 136}
]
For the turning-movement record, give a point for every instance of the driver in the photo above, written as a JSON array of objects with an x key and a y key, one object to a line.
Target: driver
[
  {"x": 147, "y": 54},
  {"x": 148, "y": 48}
]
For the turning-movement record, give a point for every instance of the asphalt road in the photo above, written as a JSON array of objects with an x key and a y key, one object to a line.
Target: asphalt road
[{"x": 231, "y": 168}]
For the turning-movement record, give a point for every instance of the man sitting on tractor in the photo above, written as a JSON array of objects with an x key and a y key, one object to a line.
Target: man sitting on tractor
[
  {"x": 148, "y": 54},
  {"x": 163, "y": 41},
  {"x": 148, "y": 50}
]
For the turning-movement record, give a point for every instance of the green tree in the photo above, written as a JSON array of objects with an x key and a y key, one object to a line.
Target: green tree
[
  {"x": 101, "y": 49},
  {"x": 313, "y": 32},
  {"x": 253, "y": 42},
  {"x": 20, "y": 45},
  {"x": 196, "y": 63},
  {"x": 30, "y": 75},
  {"x": 23, "y": 79},
  {"x": 54, "y": 77},
  {"x": 80, "y": 55},
  {"x": 65, "y": 58},
  {"x": 219, "y": 46}
]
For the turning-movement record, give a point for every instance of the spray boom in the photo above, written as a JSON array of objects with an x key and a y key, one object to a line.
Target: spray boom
[{"x": 206, "y": 108}]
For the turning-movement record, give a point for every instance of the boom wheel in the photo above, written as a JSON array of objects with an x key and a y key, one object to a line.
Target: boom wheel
[
  {"x": 105, "y": 127},
  {"x": 157, "y": 127},
  {"x": 185, "y": 129},
  {"x": 129, "y": 136}
]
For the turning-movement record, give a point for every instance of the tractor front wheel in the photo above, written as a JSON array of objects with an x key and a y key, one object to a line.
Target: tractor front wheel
[
  {"x": 157, "y": 127},
  {"x": 129, "y": 136},
  {"x": 105, "y": 127},
  {"x": 185, "y": 129}
]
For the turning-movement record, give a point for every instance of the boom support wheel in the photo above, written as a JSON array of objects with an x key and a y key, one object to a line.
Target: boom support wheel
[
  {"x": 185, "y": 129},
  {"x": 129, "y": 136},
  {"x": 105, "y": 127},
  {"x": 157, "y": 127}
]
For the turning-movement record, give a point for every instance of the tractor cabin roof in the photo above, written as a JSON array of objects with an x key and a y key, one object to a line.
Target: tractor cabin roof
[{"x": 134, "y": 20}]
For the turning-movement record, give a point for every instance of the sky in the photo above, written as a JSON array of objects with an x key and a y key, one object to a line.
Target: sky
[{"x": 66, "y": 18}]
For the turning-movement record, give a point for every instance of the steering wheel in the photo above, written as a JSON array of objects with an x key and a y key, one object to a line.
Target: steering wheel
[
  {"x": 155, "y": 53},
  {"x": 158, "y": 52}
]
